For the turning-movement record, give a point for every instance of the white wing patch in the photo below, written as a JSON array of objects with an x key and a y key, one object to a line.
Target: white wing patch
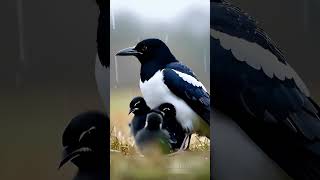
[
  {"x": 190, "y": 79},
  {"x": 258, "y": 58}
]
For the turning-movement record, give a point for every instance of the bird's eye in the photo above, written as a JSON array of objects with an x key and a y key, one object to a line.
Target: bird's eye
[
  {"x": 144, "y": 48},
  {"x": 136, "y": 104},
  {"x": 166, "y": 109}
]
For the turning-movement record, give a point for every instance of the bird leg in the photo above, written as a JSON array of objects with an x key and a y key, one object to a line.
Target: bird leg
[
  {"x": 183, "y": 145},
  {"x": 186, "y": 138},
  {"x": 189, "y": 139}
]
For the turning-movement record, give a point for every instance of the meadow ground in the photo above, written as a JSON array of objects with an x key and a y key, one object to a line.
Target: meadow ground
[{"x": 126, "y": 161}]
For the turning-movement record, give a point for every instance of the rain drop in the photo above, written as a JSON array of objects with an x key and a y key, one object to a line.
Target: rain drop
[
  {"x": 116, "y": 70},
  {"x": 113, "y": 21},
  {"x": 166, "y": 39},
  {"x": 205, "y": 61}
]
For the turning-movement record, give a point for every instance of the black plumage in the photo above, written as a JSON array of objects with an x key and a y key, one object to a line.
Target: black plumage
[
  {"x": 85, "y": 142},
  {"x": 140, "y": 110},
  {"x": 170, "y": 123},
  {"x": 103, "y": 32},
  {"x": 267, "y": 99}
]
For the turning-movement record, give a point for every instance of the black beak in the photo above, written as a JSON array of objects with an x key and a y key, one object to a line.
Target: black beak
[
  {"x": 132, "y": 110},
  {"x": 128, "y": 52},
  {"x": 68, "y": 156}
]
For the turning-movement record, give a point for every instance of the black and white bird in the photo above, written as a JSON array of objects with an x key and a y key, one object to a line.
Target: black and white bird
[
  {"x": 170, "y": 124},
  {"x": 163, "y": 79},
  {"x": 85, "y": 142},
  {"x": 255, "y": 86}
]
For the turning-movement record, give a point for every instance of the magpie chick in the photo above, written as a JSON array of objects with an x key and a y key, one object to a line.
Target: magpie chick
[
  {"x": 152, "y": 139},
  {"x": 139, "y": 108},
  {"x": 164, "y": 79},
  {"x": 170, "y": 123},
  {"x": 86, "y": 145}
]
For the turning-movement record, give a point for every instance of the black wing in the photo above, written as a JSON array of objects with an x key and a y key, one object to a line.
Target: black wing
[
  {"x": 276, "y": 112},
  {"x": 195, "y": 96},
  {"x": 103, "y": 33}
]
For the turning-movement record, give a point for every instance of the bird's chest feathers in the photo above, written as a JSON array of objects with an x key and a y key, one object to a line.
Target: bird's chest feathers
[
  {"x": 154, "y": 88},
  {"x": 155, "y": 92}
]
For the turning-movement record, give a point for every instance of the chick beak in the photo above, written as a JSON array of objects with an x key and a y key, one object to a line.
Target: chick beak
[{"x": 68, "y": 156}]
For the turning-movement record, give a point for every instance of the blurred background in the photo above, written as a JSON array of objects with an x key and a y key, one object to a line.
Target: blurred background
[
  {"x": 292, "y": 25},
  {"x": 47, "y": 54}
]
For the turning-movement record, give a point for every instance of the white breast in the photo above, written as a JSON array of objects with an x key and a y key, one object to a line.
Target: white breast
[{"x": 155, "y": 92}]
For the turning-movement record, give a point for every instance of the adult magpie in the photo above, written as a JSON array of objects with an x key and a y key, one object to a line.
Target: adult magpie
[
  {"x": 257, "y": 88},
  {"x": 85, "y": 142},
  {"x": 140, "y": 110},
  {"x": 164, "y": 79}
]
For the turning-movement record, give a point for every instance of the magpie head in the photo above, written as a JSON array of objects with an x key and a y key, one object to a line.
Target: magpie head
[
  {"x": 154, "y": 121},
  {"x": 167, "y": 109},
  {"x": 138, "y": 106},
  {"x": 84, "y": 141},
  {"x": 149, "y": 50}
]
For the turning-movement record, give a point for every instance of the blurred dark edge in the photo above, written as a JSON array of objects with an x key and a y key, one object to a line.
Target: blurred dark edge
[{"x": 292, "y": 24}]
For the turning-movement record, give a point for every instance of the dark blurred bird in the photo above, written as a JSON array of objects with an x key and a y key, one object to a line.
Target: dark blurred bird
[
  {"x": 103, "y": 32},
  {"x": 139, "y": 108},
  {"x": 164, "y": 79},
  {"x": 85, "y": 142},
  {"x": 255, "y": 86},
  {"x": 102, "y": 70}
]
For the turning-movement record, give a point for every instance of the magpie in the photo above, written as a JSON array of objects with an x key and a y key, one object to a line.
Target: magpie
[
  {"x": 254, "y": 85},
  {"x": 85, "y": 142},
  {"x": 171, "y": 124},
  {"x": 153, "y": 139},
  {"x": 102, "y": 62},
  {"x": 164, "y": 79},
  {"x": 140, "y": 110}
]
